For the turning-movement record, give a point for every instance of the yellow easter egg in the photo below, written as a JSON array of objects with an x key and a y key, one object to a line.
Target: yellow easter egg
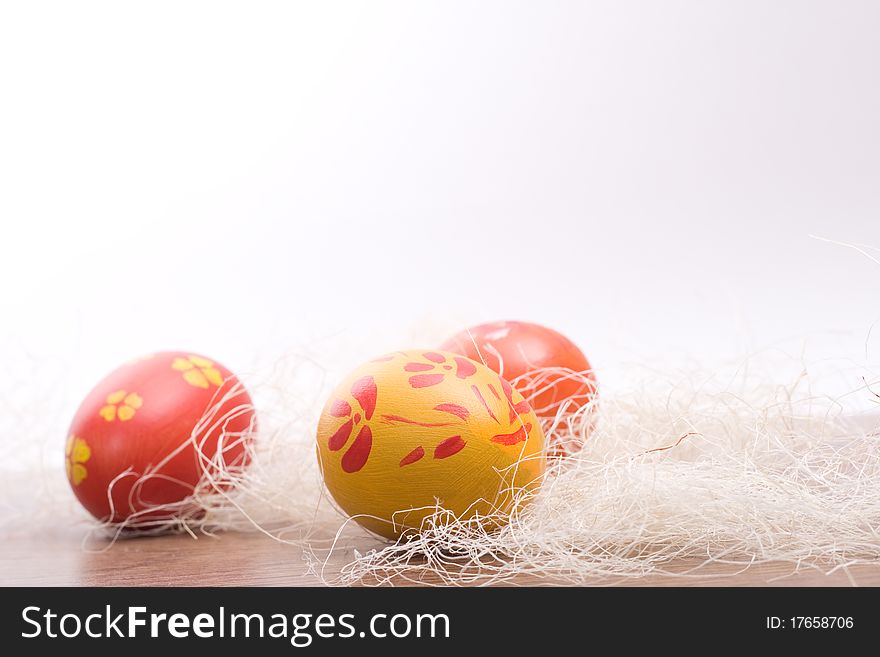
[{"x": 412, "y": 430}]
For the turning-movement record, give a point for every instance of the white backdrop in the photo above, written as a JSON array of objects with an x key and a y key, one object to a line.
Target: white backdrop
[{"x": 241, "y": 179}]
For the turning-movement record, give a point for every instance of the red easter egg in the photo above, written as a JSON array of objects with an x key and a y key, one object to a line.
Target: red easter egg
[
  {"x": 546, "y": 367},
  {"x": 148, "y": 433}
]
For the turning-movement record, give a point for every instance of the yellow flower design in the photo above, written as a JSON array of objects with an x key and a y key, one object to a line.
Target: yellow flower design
[
  {"x": 122, "y": 405},
  {"x": 197, "y": 371},
  {"x": 76, "y": 453}
]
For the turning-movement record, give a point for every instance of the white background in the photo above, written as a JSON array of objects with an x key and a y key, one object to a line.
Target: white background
[{"x": 243, "y": 179}]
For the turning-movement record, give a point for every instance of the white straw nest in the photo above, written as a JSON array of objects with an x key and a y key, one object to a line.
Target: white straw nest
[
  {"x": 695, "y": 476},
  {"x": 680, "y": 468}
]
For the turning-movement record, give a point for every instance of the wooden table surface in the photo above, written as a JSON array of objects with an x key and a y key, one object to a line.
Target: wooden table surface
[{"x": 233, "y": 559}]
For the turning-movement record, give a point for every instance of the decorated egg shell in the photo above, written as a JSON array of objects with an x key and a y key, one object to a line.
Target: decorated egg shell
[
  {"x": 148, "y": 433},
  {"x": 412, "y": 430},
  {"x": 544, "y": 365}
]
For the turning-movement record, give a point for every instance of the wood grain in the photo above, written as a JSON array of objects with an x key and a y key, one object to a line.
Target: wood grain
[{"x": 233, "y": 559}]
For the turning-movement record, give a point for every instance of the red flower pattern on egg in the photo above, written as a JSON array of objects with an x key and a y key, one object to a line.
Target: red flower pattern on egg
[
  {"x": 427, "y": 374},
  {"x": 431, "y": 372},
  {"x": 365, "y": 393}
]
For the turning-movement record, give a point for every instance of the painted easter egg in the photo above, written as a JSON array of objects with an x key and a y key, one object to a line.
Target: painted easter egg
[
  {"x": 545, "y": 366},
  {"x": 414, "y": 429},
  {"x": 151, "y": 432}
]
